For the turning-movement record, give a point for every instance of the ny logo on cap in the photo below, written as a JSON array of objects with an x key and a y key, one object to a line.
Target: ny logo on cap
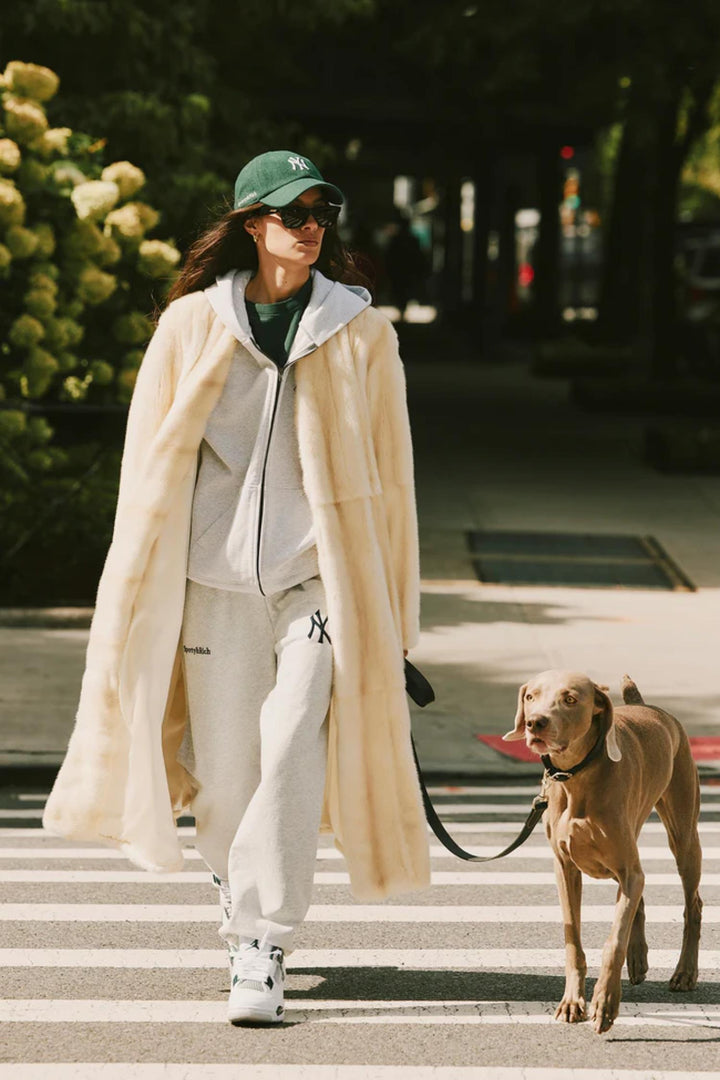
[{"x": 298, "y": 163}]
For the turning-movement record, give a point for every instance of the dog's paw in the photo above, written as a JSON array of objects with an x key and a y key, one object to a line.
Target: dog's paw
[
  {"x": 683, "y": 981},
  {"x": 637, "y": 964},
  {"x": 571, "y": 1011},
  {"x": 604, "y": 1008}
]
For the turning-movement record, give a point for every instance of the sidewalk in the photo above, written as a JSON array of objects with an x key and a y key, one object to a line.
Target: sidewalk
[{"x": 495, "y": 449}]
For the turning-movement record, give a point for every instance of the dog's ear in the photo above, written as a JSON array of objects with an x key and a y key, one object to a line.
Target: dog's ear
[
  {"x": 518, "y": 731},
  {"x": 604, "y": 707}
]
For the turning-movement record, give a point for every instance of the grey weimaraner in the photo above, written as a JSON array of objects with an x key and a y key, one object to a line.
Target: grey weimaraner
[{"x": 641, "y": 760}]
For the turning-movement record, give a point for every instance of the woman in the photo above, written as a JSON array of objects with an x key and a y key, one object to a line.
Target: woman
[{"x": 246, "y": 650}]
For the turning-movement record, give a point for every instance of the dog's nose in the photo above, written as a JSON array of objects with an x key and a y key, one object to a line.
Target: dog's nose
[{"x": 537, "y": 723}]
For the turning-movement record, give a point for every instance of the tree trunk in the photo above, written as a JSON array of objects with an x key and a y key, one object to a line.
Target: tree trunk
[
  {"x": 661, "y": 269},
  {"x": 623, "y": 238},
  {"x": 670, "y": 155}
]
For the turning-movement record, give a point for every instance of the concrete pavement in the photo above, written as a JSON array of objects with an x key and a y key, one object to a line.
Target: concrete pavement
[
  {"x": 499, "y": 450},
  {"x": 495, "y": 449}
]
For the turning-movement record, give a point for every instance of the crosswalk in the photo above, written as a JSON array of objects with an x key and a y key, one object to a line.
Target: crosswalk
[{"x": 113, "y": 972}]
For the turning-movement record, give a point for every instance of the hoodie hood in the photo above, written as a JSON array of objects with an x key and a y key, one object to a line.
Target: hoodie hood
[{"x": 331, "y": 306}]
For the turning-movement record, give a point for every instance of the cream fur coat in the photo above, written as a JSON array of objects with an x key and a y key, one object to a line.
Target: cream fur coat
[{"x": 120, "y": 781}]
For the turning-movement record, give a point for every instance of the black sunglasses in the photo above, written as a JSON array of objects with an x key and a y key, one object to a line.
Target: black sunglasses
[{"x": 294, "y": 217}]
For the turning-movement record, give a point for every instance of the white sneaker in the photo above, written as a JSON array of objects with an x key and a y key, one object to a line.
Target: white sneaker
[{"x": 257, "y": 987}]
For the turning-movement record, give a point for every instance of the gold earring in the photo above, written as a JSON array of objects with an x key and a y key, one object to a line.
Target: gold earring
[{"x": 255, "y": 238}]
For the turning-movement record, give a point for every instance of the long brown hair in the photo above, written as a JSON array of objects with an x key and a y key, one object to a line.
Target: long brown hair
[{"x": 226, "y": 245}]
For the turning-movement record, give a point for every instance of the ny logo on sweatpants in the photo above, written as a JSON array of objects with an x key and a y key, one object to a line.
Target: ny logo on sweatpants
[{"x": 318, "y": 623}]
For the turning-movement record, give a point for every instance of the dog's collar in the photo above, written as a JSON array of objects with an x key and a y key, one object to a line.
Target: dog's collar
[{"x": 553, "y": 773}]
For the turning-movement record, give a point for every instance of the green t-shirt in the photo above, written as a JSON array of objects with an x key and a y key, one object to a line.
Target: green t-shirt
[{"x": 274, "y": 325}]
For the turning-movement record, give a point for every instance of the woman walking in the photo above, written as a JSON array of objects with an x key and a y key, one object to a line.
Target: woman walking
[{"x": 246, "y": 652}]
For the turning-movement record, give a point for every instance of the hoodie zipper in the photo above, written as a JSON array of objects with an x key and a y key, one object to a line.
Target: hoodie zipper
[
  {"x": 280, "y": 376},
  {"x": 258, "y": 540}
]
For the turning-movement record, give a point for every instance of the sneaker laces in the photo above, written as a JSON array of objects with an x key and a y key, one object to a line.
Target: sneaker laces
[{"x": 255, "y": 971}]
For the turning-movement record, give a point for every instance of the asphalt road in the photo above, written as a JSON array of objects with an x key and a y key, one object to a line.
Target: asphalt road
[{"x": 111, "y": 972}]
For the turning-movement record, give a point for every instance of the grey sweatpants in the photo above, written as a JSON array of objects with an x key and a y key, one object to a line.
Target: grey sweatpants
[{"x": 258, "y": 672}]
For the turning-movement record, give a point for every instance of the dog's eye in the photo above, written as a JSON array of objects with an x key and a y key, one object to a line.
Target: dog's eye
[
  {"x": 570, "y": 700},
  {"x": 528, "y": 697}
]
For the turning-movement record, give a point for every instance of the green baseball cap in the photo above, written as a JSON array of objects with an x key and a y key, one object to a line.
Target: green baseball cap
[{"x": 277, "y": 177}]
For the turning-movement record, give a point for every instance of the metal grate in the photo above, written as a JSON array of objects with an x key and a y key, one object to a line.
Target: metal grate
[{"x": 574, "y": 559}]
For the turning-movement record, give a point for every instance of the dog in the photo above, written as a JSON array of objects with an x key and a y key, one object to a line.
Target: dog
[{"x": 632, "y": 759}]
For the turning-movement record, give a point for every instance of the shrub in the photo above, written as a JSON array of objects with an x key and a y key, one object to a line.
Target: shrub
[
  {"x": 75, "y": 255},
  {"x": 66, "y": 217},
  {"x": 132, "y": 329}
]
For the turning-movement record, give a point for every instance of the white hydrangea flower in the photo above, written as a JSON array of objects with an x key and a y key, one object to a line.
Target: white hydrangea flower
[
  {"x": 128, "y": 177},
  {"x": 5, "y": 261},
  {"x": 25, "y": 120},
  {"x": 94, "y": 199},
  {"x": 31, "y": 80},
  {"x": 157, "y": 258},
  {"x": 10, "y": 156},
  {"x": 12, "y": 204},
  {"x": 131, "y": 222},
  {"x": 53, "y": 141},
  {"x": 75, "y": 388}
]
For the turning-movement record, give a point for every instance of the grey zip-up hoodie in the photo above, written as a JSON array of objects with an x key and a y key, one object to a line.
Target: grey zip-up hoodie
[{"x": 252, "y": 527}]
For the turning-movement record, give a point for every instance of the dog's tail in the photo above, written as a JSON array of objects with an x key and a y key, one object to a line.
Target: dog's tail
[{"x": 630, "y": 693}]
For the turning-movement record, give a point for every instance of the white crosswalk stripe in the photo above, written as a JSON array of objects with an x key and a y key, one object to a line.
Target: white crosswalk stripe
[
  {"x": 73, "y": 890},
  {"x": 439, "y": 877},
  {"x": 344, "y": 913},
  {"x": 505, "y": 828},
  {"x": 334, "y": 1012},
  {"x": 418, "y": 959},
  {"x": 331, "y": 854},
  {"x": 112, "y": 1071},
  {"x": 518, "y": 789}
]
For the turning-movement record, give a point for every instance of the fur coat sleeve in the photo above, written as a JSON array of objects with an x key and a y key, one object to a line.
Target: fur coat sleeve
[
  {"x": 356, "y": 456},
  {"x": 393, "y": 453}
]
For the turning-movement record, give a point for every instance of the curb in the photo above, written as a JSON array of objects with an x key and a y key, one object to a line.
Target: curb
[
  {"x": 24, "y": 764},
  {"x": 21, "y": 764},
  {"x": 59, "y": 618}
]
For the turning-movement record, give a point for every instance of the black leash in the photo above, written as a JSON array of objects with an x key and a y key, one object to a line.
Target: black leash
[
  {"x": 422, "y": 694},
  {"x": 539, "y": 805}
]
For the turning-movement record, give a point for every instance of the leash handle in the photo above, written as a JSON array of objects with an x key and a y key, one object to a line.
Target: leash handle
[{"x": 422, "y": 694}]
